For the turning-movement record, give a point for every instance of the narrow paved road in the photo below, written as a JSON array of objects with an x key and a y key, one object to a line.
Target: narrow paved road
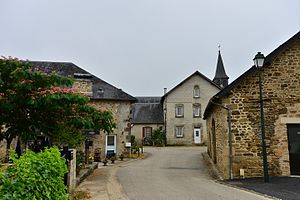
[{"x": 175, "y": 173}]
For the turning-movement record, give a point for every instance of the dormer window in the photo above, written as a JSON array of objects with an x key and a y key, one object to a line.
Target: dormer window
[
  {"x": 100, "y": 91},
  {"x": 83, "y": 85},
  {"x": 196, "y": 91}
]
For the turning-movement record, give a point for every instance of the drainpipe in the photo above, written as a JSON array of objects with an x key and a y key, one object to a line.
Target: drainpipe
[
  {"x": 229, "y": 138},
  {"x": 165, "y": 118}
]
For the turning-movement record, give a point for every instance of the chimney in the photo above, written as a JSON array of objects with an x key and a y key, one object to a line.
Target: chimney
[{"x": 165, "y": 91}]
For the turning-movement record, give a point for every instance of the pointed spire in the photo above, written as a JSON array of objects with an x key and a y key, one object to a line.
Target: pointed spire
[{"x": 220, "y": 76}]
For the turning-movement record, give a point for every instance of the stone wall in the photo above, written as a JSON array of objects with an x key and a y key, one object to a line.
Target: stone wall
[
  {"x": 85, "y": 86},
  {"x": 281, "y": 100},
  {"x": 121, "y": 114},
  {"x": 219, "y": 153},
  {"x": 184, "y": 95}
]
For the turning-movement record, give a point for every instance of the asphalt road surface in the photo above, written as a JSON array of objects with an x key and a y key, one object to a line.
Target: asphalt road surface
[{"x": 175, "y": 173}]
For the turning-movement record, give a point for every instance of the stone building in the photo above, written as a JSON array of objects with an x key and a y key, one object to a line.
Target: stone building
[
  {"x": 147, "y": 115},
  {"x": 183, "y": 109},
  {"x": 281, "y": 98},
  {"x": 102, "y": 95}
]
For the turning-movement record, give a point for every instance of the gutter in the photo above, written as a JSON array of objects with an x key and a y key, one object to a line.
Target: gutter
[{"x": 229, "y": 137}]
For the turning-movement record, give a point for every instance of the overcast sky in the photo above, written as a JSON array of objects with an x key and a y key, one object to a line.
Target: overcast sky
[{"x": 142, "y": 46}]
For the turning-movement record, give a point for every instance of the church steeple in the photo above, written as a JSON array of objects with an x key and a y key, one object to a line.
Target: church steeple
[{"x": 220, "y": 78}]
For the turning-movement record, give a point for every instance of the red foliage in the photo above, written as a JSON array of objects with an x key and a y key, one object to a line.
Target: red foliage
[{"x": 56, "y": 90}]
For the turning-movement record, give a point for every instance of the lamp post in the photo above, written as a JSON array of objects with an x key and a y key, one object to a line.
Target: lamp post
[{"x": 259, "y": 61}]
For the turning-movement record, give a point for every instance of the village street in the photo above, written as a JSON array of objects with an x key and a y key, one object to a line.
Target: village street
[{"x": 175, "y": 173}]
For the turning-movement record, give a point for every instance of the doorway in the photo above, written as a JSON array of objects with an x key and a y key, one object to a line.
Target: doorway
[
  {"x": 111, "y": 147},
  {"x": 197, "y": 135},
  {"x": 147, "y": 136},
  {"x": 294, "y": 148}
]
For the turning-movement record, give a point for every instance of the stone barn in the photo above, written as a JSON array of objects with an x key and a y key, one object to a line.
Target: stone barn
[{"x": 281, "y": 97}]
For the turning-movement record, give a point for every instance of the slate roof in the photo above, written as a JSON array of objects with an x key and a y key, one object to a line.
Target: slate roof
[
  {"x": 268, "y": 60},
  {"x": 182, "y": 82},
  {"x": 147, "y": 110},
  {"x": 148, "y": 99},
  {"x": 101, "y": 89},
  {"x": 220, "y": 71}
]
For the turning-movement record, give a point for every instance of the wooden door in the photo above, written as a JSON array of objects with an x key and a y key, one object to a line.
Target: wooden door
[{"x": 294, "y": 148}]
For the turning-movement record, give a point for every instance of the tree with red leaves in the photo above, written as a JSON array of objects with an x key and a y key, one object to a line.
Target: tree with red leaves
[{"x": 32, "y": 102}]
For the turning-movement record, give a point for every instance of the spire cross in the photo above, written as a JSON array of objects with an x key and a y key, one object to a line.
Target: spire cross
[{"x": 219, "y": 47}]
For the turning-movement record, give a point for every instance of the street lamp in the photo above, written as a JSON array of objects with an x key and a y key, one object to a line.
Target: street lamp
[{"x": 259, "y": 62}]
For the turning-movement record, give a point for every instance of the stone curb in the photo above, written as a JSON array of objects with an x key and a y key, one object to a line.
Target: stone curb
[
  {"x": 213, "y": 171},
  {"x": 86, "y": 173}
]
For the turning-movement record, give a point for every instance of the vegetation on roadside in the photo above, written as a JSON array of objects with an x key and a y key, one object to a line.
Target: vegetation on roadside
[
  {"x": 159, "y": 137},
  {"x": 34, "y": 176},
  {"x": 136, "y": 147}
]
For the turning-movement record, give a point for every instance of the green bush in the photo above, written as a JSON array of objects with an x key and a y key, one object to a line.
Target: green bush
[
  {"x": 35, "y": 176},
  {"x": 159, "y": 137}
]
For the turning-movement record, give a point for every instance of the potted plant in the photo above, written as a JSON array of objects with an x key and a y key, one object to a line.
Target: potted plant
[
  {"x": 91, "y": 158},
  {"x": 97, "y": 154},
  {"x": 105, "y": 161},
  {"x": 113, "y": 158},
  {"x": 78, "y": 168},
  {"x": 121, "y": 156}
]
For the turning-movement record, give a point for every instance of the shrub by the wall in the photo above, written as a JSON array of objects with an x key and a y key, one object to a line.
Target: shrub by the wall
[
  {"x": 35, "y": 176},
  {"x": 159, "y": 137}
]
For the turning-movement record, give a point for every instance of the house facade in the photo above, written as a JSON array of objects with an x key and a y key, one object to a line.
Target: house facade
[
  {"x": 183, "y": 107},
  {"x": 147, "y": 115},
  {"x": 103, "y": 96},
  {"x": 281, "y": 98}
]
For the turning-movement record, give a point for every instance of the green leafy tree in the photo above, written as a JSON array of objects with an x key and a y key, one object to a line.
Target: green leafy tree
[
  {"x": 35, "y": 176},
  {"x": 159, "y": 137},
  {"x": 32, "y": 102}
]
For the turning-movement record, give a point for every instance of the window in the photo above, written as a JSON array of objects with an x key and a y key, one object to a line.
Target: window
[
  {"x": 179, "y": 131},
  {"x": 110, "y": 140},
  {"x": 147, "y": 132},
  {"x": 197, "y": 110},
  {"x": 179, "y": 110},
  {"x": 196, "y": 91}
]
